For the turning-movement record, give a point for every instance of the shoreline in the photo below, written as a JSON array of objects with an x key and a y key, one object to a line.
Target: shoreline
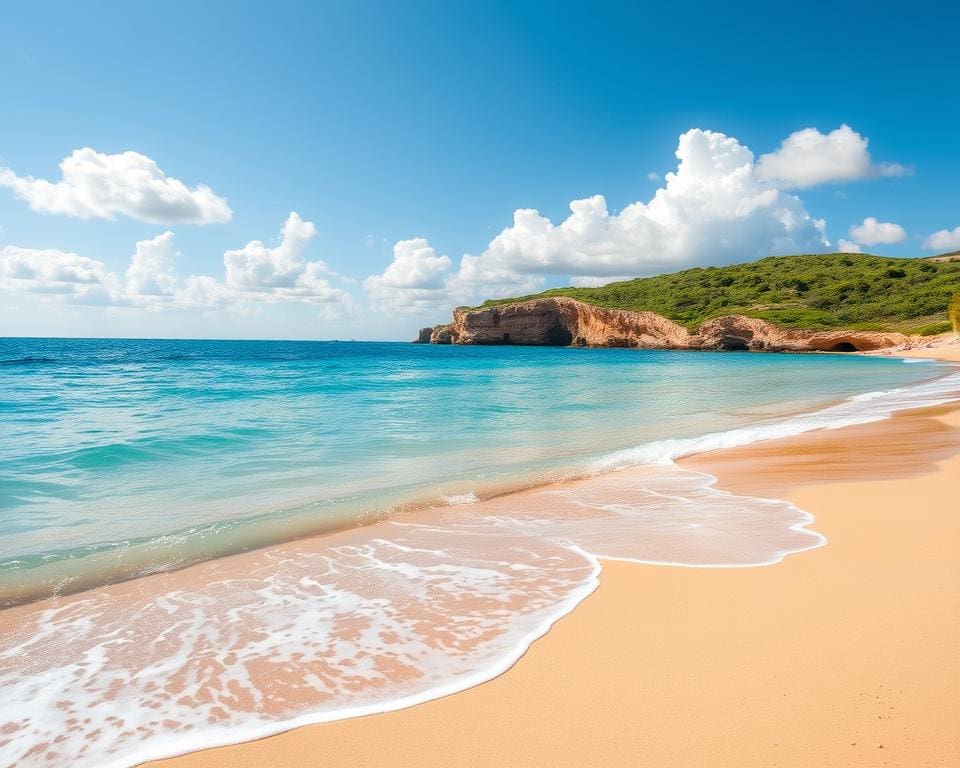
[
  {"x": 259, "y": 532},
  {"x": 454, "y": 713},
  {"x": 745, "y": 539}
]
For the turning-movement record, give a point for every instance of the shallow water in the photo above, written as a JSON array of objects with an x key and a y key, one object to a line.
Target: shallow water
[
  {"x": 122, "y": 457},
  {"x": 154, "y": 454}
]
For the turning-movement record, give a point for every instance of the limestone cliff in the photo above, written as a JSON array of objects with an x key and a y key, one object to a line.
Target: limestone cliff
[
  {"x": 750, "y": 333},
  {"x": 563, "y": 321}
]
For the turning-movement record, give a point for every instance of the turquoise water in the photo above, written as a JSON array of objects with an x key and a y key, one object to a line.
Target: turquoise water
[
  {"x": 161, "y": 452},
  {"x": 121, "y": 459}
]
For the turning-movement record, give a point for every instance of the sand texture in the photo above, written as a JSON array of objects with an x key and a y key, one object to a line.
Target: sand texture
[{"x": 848, "y": 655}]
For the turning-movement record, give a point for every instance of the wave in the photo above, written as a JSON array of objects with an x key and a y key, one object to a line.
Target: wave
[
  {"x": 859, "y": 409},
  {"x": 381, "y": 617},
  {"x": 364, "y": 621},
  {"x": 59, "y": 573},
  {"x": 457, "y": 499},
  {"x": 29, "y": 360}
]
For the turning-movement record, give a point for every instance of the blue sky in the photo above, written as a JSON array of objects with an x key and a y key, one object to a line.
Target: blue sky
[{"x": 426, "y": 125}]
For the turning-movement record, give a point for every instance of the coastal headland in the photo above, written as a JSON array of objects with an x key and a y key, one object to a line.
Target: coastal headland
[
  {"x": 561, "y": 321},
  {"x": 840, "y": 302}
]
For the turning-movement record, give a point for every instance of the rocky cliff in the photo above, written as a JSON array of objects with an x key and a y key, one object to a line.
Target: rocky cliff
[
  {"x": 750, "y": 333},
  {"x": 563, "y": 321}
]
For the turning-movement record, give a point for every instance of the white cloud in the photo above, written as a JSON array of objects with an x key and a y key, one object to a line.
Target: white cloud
[
  {"x": 718, "y": 206},
  {"x": 654, "y": 176},
  {"x": 588, "y": 281},
  {"x": 713, "y": 209},
  {"x": 254, "y": 275},
  {"x": 873, "y": 232},
  {"x": 204, "y": 292},
  {"x": 56, "y": 273},
  {"x": 807, "y": 158},
  {"x": 845, "y": 246},
  {"x": 414, "y": 282},
  {"x": 257, "y": 272},
  {"x": 256, "y": 267},
  {"x": 415, "y": 265},
  {"x": 151, "y": 270},
  {"x": 94, "y": 185},
  {"x": 943, "y": 240}
]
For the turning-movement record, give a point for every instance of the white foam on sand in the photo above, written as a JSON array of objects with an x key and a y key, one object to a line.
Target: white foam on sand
[
  {"x": 859, "y": 409},
  {"x": 378, "y": 618}
]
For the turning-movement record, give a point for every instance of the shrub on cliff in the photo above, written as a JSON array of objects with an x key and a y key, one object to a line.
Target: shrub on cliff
[
  {"x": 814, "y": 292},
  {"x": 955, "y": 312}
]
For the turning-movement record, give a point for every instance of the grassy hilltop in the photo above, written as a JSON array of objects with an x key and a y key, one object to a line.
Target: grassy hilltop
[{"x": 814, "y": 292}]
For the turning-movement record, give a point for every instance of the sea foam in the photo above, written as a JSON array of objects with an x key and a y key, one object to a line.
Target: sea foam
[
  {"x": 858, "y": 409},
  {"x": 377, "y": 618}
]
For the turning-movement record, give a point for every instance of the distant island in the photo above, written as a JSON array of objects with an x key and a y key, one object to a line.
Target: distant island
[{"x": 841, "y": 302}]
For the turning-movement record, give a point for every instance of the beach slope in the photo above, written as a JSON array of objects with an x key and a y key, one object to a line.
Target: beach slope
[{"x": 848, "y": 655}]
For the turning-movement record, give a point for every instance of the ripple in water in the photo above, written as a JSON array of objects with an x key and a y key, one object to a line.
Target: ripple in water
[
  {"x": 363, "y": 621},
  {"x": 374, "y": 618}
]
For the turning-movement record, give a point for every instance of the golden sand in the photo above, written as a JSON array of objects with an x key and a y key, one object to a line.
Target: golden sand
[{"x": 848, "y": 655}]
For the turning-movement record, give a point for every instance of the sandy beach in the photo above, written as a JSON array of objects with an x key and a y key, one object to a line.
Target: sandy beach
[
  {"x": 479, "y": 385},
  {"x": 845, "y": 655}
]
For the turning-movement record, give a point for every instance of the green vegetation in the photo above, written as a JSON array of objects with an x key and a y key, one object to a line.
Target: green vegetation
[
  {"x": 955, "y": 312},
  {"x": 934, "y": 329},
  {"x": 815, "y": 292}
]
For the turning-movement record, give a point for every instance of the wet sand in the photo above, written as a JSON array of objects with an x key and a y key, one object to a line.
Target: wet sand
[{"x": 848, "y": 655}]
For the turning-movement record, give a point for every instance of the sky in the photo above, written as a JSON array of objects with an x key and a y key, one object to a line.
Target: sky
[{"x": 355, "y": 170}]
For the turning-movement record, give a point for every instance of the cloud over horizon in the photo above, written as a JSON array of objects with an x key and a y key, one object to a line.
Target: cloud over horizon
[
  {"x": 720, "y": 204},
  {"x": 716, "y": 206},
  {"x": 414, "y": 282},
  {"x": 94, "y": 185},
  {"x": 56, "y": 274},
  {"x": 254, "y": 274}
]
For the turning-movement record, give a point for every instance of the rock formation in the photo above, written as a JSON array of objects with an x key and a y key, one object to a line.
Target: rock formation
[
  {"x": 750, "y": 333},
  {"x": 563, "y": 321}
]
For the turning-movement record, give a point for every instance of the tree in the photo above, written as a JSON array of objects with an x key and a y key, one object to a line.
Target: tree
[{"x": 954, "y": 312}]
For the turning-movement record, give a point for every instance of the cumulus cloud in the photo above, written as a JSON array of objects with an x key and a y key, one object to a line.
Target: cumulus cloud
[
  {"x": 414, "y": 282},
  {"x": 873, "y": 232},
  {"x": 257, "y": 267},
  {"x": 254, "y": 274},
  {"x": 56, "y": 273},
  {"x": 151, "y": 270},
  {"x": 807, "y": 158},
  {"x": 713, "y": 209},
  {"x": 94, "y": 185},
  {"x": 420, "y": 282},
  {"x": 281, "y": 273},
  {"x": 845, "y": 246},
  {"x": 943, "y": 240}
]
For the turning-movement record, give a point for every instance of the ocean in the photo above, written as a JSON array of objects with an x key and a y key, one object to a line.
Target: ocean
[{"x": 208, "y": 541}]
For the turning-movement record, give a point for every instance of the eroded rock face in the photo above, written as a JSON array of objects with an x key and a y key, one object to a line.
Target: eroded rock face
[
  {"x": 734, "y": 332},
  {"x": 563, "y": 321},
  {"x": 442, "y": 334}
]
